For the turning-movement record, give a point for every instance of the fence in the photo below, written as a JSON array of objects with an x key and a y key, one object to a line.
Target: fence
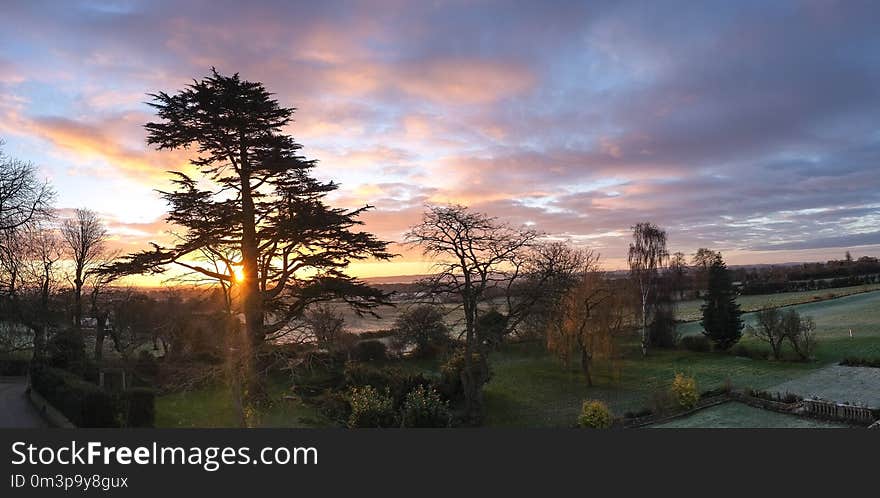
[{"x": 829, "y": 409}]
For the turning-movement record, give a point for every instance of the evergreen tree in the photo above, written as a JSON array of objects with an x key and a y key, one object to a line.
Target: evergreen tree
[
  {"x": 254, "y": 206},
  {"x": 722, "y": 318}
]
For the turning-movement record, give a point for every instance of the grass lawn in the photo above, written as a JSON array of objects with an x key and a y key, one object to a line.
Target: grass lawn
[
  {"x": 690, "y": 310},
  {"x": 213, "y": 407},
  {"x": 532, "y": 389},
  {"x": 733, "y": 415},
  {"x": 859, "y": 385}
]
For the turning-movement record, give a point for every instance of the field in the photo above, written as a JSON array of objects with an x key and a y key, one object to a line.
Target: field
[
  {"x": 688, "y": 311},
  {"x": 734, "y": 415},
  {"x": 213, "y": 407},
  {"x": 533, "y": 389},
  {"x": 530, "y": 388},
  {"x": 855, "y": 385}
]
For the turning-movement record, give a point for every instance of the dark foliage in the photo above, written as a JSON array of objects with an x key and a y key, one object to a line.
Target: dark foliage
[
  {"x": 722, "y": 322},
  {"x": 369, "y": 351},
  {"x": 66, "y": 350},
  {"x": 853, "y": 361},
  {"x": 695, "y": 343}
]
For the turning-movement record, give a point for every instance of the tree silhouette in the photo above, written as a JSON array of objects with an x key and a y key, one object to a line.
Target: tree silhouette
[
  {"x": 722, "y": 322},
  {"x": 254, "y": 197},
  {"x": 85, "y": 240}
]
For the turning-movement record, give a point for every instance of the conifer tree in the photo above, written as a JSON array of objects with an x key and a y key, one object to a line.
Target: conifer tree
[{"x": 722, "y": 318}]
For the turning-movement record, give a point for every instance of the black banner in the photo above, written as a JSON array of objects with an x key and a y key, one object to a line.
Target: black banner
[{"x": 413, "y": 462}]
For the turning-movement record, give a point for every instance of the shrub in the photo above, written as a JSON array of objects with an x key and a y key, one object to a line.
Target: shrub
[
  {"x": 370, "y": 407},
  {"x": 391, "y": 379},
  {"x": 66, "y": 350},
  {"x": 371, "y": 350},
  {"x": 787, "y": 397},
  {"x": 146, "y": 365},
  {"x": 746, "y": 352},
  {"x": 14, "y": 367},
  {"x": 334, "y": 405},
  {"x": 696, "y": 343},
  {"x": 595, "y": 415},
  {"x": 423, "y": 407},
  {"x": 491, "y": 328},
  {"x": 84, "y": 403},
  {"x": 451, "y": 385},
  {"x": 423, "y": 328},
  {"x": 684, "y": 391},
  {"x": 663, "y": 332},
  {"x": 718, "y": 391}
]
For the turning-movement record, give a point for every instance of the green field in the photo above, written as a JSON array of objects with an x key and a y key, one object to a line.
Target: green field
[
  {"x": 732, "y": 415},
  {"x": 530, "y": 388},
  {"x": 211, "y": 407},
  {"x": 690, "y": 310}
]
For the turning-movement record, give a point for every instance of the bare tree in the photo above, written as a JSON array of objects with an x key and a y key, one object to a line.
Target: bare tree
[
  {"x": 647, "y": 256},
  {"x": 475, "y": 252},
  {"x": 702, "y": 260},
  {"x": 41, "y": 274},
  {"x": 592, "y": 314},
  {"x": 551, "y": 270},
  {"x": 23, "y": 196},
  {"x": 770, "y": 329},
  {"x": 85, "y": 238}
]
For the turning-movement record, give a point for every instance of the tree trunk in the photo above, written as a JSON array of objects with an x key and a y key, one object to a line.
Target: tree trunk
[
  {"x": 77, "y": 300},
  {"x": 99, "y": 345},
  {"x": 644, "y": 326},
  {"x": 468, "y": 379},
  {"x": 255, "y": 391},
  {"x": 586, "y": 359}
]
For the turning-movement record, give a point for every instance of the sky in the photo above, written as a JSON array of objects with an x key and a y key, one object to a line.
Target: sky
[{"x": 752, "y": 128}]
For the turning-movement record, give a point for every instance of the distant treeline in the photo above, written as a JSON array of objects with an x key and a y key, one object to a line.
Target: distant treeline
[{"x": 808, "y": 276}]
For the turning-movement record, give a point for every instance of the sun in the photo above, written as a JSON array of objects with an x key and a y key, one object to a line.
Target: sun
[{"x": 238, "y": 273}]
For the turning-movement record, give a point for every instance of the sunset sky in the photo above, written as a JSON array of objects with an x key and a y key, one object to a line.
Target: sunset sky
[{"x": 746, "y": 127}]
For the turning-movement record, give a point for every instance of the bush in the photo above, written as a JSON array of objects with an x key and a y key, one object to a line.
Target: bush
[
  {"x": 491, "y": 328},
  {"x": 718, "y": 391},
  {"x": 451, "y": 385},
  {"x": 684, "y": 391},
  {"x": 14, "y": 367},
  {"x": 695, "y": 343},
  {"x": 423, "y": 407},
  {"x": 84, "y": 403},
  {"x": 66, "y": 350},
  {"x": 370, "y": 351},
  {"x": 334, "y": 405},
  {"x": 422, "y": 328},
  {"x": 663, "y": 332},
  {"x": 390, "y": 379},
  {"x": 595, "y": 415},
  {"x": 746, "y": 352},
  {"x": 786, "y": 397},
  {"x": 370, "y": 408},
  {"x": 146, "y": 365}
]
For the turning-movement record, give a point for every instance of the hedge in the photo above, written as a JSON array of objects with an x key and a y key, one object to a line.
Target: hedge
[
  {"x": 14, "y": 367},
  {"x": 87, "y": 405}
]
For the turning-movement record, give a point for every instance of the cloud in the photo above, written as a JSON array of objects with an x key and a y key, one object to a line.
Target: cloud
[{"x": 744, "y": 127}]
